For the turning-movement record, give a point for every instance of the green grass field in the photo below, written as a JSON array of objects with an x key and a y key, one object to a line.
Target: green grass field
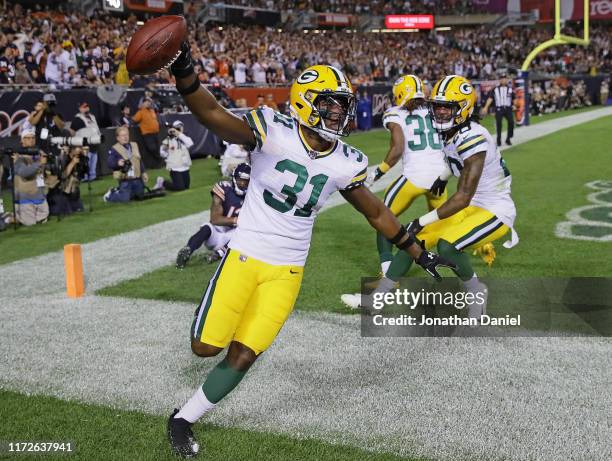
[
  {"x": 111, "y": 219},
  {"x": 548, "y": 181},
  {"x": 549, "y": 177},
  {"x": 100, "y": 433}
]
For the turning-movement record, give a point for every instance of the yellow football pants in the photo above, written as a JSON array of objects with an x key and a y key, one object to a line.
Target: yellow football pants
[
  {"x": 472, "y": 227},
  {"x": 400, "y": 194},
  {"x": 247, "y": 301}
]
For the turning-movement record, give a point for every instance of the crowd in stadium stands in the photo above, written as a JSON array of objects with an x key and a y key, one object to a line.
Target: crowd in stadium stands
[
  {"x": 69, "y": 51},
  {"x": 375, "y": 7},
  {"x": 555, "y": 96}
]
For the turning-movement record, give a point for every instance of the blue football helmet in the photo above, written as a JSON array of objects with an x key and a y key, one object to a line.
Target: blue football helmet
[{"x": 241, "y": 177}]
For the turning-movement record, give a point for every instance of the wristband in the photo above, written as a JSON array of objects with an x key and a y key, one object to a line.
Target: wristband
[
  {"x": 408, "y": 242},
  {"x": 192, "y": 88},
  {"x": 384, "y": 167},
  {"x": 429, "y": 218},
  {"x": 398, "y": 237}
]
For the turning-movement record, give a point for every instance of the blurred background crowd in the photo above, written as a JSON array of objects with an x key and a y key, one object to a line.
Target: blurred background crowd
[
  {"x": 70, "y": 50},
  {"x": 137, "y": 124}
]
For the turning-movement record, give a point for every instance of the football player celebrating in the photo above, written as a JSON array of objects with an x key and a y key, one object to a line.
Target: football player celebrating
[
  {"x": 227, "y": 199},
  {"x": 296, "y": 164},
  {"x": 480, "y": 211},
  {"x": 417, "y": 143}
]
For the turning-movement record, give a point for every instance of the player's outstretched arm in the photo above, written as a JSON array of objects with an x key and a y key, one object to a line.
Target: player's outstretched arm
[
  {"x": 396, "y": 149},
  {"x": 385, "y": 222},
  {"x": 205, "y": 107}
]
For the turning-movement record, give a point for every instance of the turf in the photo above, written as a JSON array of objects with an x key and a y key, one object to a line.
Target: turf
[
  {"x": 101, "y": 433},
  {"x": 111, "y": 219},
  {"x": 108, "y": 219},
  {"x": 548, "y": 181}
]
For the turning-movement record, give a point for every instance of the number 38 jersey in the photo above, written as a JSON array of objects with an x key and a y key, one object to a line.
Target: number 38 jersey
[
  {"x": 289, "y": 184},
  {"x": 423, "y": 160}
]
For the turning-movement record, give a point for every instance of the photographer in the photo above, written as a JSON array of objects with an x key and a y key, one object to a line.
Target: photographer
[
  {"x": 175, "y": 151},
  {"x": 128, "y": 168},
  {"x": 146, "y": 118},
  {"x": 31, "y": 206},
  {"x": 234, "y": 155},
  {"x": 45, "y": 120},
  {"x": 85, "y": 125},
  {"x": 75, "y": 168}
]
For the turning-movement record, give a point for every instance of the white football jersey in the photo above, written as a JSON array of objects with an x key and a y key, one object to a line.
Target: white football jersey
[
  {"x": 493, "y": 190},
  {"x": 289, "y": 184},
  {"x": 423, "y": 160}
]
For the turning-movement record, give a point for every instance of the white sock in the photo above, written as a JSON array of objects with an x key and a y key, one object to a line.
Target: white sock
[
  {"x": 195, "y": 407},
  {"x": 472, "y": 284},
  {"x": 385, "y": 267}
]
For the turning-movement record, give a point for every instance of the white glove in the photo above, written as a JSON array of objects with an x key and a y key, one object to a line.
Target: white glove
[{"x": 372, "y": 178}]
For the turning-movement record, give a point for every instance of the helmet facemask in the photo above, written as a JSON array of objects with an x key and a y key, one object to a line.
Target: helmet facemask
[
  {"x": 445, "y": 115},
  {"x": 335, "y": 111},
  {"x": 240, "y": 179}
]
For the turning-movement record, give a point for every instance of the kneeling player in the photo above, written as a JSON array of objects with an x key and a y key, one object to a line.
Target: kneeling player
[
  {"x": 227, "y": 199},
  {"x": 481, "y": 210}
]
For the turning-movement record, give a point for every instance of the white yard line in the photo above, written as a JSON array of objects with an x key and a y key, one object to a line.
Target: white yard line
[{"x": 497, "y": 398}]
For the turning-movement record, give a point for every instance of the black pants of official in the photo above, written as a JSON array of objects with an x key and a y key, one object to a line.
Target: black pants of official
[
  {"x": 508, "y": 115},
  {"x": 180, "y": 180},
  {"x": 152, "y": 159}
]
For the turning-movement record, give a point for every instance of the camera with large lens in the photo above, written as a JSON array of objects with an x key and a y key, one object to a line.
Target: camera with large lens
[
  {"x": 126, "y": 166},
  {"x": 76, "y": 140},
  {"x": 32, "y": 151}
]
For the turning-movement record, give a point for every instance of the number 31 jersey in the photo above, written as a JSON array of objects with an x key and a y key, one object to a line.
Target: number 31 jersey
[{"x": 289, "y": 185}]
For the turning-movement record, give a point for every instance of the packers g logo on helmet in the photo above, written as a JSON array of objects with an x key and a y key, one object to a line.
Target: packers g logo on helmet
[
  {"x": 322, "y": 99},
  {"x": 308, "y": 76},
  {"x": 406, "y": 88},
  {"x": 466, "y": 88},
  {"x": 455, "y": 93}
]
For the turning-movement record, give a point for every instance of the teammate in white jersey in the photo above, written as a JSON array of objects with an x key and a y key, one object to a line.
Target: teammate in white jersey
[
  {"x": 297, "y": 163},
  {"x": 415, "y": 141},
  {"x": 481, "y": 210}
]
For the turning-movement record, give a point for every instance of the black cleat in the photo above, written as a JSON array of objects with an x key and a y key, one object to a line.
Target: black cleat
[
  {"x": 181, "y": 437},
  {"x": 183, "y": 257},
  {"x": 508, "y": 143}
]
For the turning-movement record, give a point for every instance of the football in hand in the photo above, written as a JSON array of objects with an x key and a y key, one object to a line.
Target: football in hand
[{"x": 156, "y": 44}]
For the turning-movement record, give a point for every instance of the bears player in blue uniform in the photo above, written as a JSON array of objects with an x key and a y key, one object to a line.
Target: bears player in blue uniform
[{"x": 227, "y": 199}]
